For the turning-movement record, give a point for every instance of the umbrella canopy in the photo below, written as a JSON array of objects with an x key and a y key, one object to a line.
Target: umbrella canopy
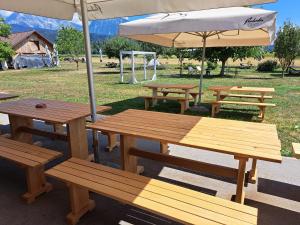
[
  {"x": 101, "y": 9},
  {"x": 236, "y": 26}
]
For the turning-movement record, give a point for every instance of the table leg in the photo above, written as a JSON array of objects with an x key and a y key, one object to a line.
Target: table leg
[
  {"x": 217, "y": 110},
  {"x": 112, "y": 142},
  {"x": 187, "y": 102},
  {"x": 240, "y": 193},
  {"x": 262, "y": 99},
  {"x": 253, "y": 172},
  {"x": 36, "y": 183},
  {"x": 77, "y": 138},
  {"x": 129, "y": 163},
  {"x": 154, "y": 94},
  {"x": 15, "y": 123},
  {"x": 80, "y": 203}
]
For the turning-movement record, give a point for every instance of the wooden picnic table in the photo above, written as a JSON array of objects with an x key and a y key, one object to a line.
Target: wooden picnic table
[
  {"x": 5, "y": 96},
  {"x": 262, "y": 91},
  {"x": 243, "y": 140},
  {"x": 185, "y": 87},
  {"x": 259, "y": 93},
  {"x": 22, "y": 113}
]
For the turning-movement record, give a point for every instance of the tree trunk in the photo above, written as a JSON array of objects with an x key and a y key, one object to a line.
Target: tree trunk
[
  {"x": 77, "y": 64},
  {"x": 222, "y": 72},
  {"x": 181, "y": 65},
  {"x": 283, "y": 71}
]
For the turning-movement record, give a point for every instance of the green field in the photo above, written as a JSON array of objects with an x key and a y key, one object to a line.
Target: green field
[{"x": 66, "y": 83}]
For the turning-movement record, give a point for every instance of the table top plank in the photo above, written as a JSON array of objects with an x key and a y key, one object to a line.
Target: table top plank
[
  {"x": 242, "y": 89},
  {"x": 171, "y": 86},
  {"x": 5, "y": 96},
  {"x": 198, "y": 132},
  {"x": 55, "y": 112}
]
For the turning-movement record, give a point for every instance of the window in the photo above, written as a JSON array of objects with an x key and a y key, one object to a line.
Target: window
[{"x": 37, "y": 44}]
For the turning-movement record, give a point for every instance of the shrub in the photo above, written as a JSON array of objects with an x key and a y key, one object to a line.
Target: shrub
[
  {"x": 267, "y": 66},
  {"x": 212, "y": 65},
  {"x": 187, "y": 65}
]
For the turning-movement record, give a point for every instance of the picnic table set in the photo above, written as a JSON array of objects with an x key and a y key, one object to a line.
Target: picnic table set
[{"x": 244, "y": 141}]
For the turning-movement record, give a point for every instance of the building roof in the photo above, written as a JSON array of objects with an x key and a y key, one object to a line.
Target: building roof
[{"x": 16, "y": 38}]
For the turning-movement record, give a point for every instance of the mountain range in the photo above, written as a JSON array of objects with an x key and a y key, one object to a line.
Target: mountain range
[{"x": 48, "y": 27}]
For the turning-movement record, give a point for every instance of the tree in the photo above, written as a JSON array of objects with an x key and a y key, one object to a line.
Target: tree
[
  {"x": 113, "y": 46},
  {"x": 149, "y": 47},
  {"x": 6, "y": 50},
  {"x": 182, "y": 54},
  {"x": 70, "y": 42},
  {"x": 222, "y": 54},
  {"x": 287, "y": 45}
]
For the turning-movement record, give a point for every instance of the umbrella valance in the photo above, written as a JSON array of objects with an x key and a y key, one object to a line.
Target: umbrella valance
[{"x": 102, "y": 9}]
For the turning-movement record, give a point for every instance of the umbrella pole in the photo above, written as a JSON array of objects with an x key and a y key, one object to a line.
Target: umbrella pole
[
  {"x": 202, "y": 68},
  {"x": 89, "y": 65}
]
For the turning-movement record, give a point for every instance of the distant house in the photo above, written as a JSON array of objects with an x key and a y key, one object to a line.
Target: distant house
[{"x": 32, "y": 50}]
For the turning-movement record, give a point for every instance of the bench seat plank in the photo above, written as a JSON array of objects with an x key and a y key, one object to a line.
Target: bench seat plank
[
  {"x": 244, "y": 96},
  {"x": 27, "y": 151},
  {"x": 246, "y": 103},
  {"x": 179, "y": 92},
  {"x": 18, "y": 159},
  {"x": 165, "y": 98},
  {"x": 145, "y": 193}
]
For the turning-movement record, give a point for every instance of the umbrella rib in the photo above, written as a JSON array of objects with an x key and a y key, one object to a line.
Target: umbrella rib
[
  {"x": 95, "y": 1},
  {"x": 195, "y": 34},
  {"x": 176, "y": 38},
  {"x": 264, "y": 30}
]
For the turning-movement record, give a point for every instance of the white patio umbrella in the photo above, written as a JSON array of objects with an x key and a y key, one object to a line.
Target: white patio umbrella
[
  {"x": 102, "y": 9},
  {"x": 236, "y": 26}
]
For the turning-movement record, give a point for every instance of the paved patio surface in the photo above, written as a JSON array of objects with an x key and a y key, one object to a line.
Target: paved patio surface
[{"x": 276, "y": 194}]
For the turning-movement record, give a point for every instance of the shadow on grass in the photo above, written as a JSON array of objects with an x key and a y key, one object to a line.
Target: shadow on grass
[
  {"x": 256, "y": 78},
  {"x": 107, "y": 73},
  {"x": 238, "y": 114},
  {"x": 60, "y": 70},
  {"x": 279, "y": 75},
  {"x": 120, "y": 106},
  {"x": 174, "y": 107}
]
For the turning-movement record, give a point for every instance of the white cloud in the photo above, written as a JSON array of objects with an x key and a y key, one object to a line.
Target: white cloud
[{"x": 5, "y": 14}]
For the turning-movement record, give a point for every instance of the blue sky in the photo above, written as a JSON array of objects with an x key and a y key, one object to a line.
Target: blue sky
[{"x": 287, "y": 10}]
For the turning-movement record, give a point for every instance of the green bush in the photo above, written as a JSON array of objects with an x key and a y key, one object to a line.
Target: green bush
[
  {"x": 187, "y": 65},
  {"x": 267, "y": 66},
  {"x": 212, "y": 65}
]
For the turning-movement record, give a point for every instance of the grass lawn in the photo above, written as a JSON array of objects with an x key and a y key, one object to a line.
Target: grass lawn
[{"x": 66, "y": 83}]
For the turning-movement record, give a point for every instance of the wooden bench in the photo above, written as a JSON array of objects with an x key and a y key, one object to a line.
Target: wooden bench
[
  {"x": 171, "y": 201},
  {"x": 261, "y": 106},
  {"x": 194, "y": 94},
  {"x": 296, "y": 150},
  {"x": 181, "y": 100},
  {"x": 259, "y": 97},
  {"x": 33, "y": 159}
]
